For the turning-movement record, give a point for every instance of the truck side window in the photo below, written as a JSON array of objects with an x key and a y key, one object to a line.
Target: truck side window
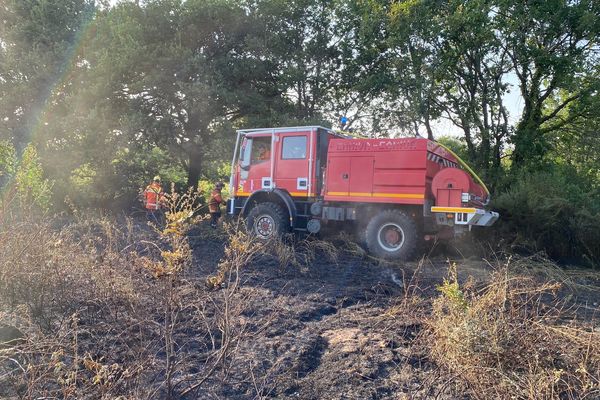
[
  {"x": 261, "y": 149},
  {"x": 294, "y": 147}
]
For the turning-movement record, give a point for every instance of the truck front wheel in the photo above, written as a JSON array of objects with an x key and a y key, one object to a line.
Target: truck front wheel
[
  {"x": 266, "y": 221},
  {"x": 392, "y": 234}
]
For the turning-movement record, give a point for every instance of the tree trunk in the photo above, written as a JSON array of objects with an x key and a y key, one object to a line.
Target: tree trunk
[
  {"x": 530, "y": 146},
  {"x": 428, "y": 127},
  {"x": 194, "y": 165}
]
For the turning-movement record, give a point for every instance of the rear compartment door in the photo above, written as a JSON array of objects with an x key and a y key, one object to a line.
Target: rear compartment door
[
  {"x": 361, "y": 176},
  {"x": 338, "y": 176}
]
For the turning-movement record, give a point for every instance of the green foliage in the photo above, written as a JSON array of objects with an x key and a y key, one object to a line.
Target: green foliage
[
  {"x": 456, "y": 145},
  {"x": 83, "y": 177},
  {"x": 552, "y": 49},
  {"x": 8, "y": 160},
  {"x": 557, "y": 211},
  {"x": 142, "y": 164},
  {"x": 38, "y": 37},
  {"x": 452, "y": 291},
  {"x": 31, "y": 184}
]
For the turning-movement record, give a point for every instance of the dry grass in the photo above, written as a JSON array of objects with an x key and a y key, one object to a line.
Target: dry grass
[
  {"x": 290, "y": 251},
  {"x": 72, "y": 298},
  {"x": 350, "y": 246},
  {"x": 239, "y": 252},
  {"x": 513, "y": 338},
  {"x": 113, "y": 310},
  {"x": 109, "y": 310}
]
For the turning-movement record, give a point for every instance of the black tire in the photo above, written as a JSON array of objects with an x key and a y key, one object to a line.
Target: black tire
[
  {"x": 391, "y": 234},
  {"x": 267, "y": 220},
  {"x": 361, "y": 235}
]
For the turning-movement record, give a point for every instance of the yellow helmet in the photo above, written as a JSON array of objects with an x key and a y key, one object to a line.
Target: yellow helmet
[{"x": 156, "y": 178}]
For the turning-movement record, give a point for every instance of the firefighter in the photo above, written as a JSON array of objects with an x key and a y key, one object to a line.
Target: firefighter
[
  {"x": 263, "y": 153},
  {"x": 214, "y": 204},
  {"x": 153, "y": 199}
]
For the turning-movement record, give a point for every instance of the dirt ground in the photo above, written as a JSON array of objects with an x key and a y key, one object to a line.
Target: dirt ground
[{"x": 347, "y": 329}]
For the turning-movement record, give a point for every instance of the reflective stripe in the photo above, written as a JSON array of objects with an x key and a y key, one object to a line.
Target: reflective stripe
[
  {"x": 454, "y": 209},
  {"x": 378, "y": 195},
  {"x": 293, "y": 194}
]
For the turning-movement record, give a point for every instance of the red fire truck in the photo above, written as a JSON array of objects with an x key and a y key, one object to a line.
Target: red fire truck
[{"x": 393, "y": 192}]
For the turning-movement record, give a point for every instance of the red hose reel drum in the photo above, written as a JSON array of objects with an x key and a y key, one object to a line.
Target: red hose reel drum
[{"x": 449, "y": 184}]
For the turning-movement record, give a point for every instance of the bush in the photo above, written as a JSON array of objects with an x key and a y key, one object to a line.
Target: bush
[
  {"x": 512, "y": 339},
  {"x": 557, "y": 211},
  {"x": 23, "y": 179}
]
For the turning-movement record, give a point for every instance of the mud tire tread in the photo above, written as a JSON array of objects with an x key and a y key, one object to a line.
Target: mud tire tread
[
  {"x": 407, "y": 251},
  {"x": 275, "y": 211}
]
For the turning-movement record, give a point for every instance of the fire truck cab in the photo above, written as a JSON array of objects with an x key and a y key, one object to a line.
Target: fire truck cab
[{"x": 392, "y": 192}]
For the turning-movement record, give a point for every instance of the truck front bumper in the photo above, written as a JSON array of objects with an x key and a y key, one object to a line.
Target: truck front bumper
[{"x": 464, "y": 216}]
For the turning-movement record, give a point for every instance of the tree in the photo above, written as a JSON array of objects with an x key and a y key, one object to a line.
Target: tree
[
  {"x": 577, "y": 143},
  {"x": 37, "y": 38},
  {"x": 552, "y": 46},
  {"x": 443, "y": 60},
  {"x": 455, "y": 60},
  {"x": 415, "y": 63},
  {"x": 186, "y": 71}
]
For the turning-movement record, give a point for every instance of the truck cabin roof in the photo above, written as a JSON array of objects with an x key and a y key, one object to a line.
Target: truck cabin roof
[{"x": 287, "y": 129}]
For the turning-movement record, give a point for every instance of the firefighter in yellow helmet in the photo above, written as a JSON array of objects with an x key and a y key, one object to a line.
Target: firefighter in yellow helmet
[{"x": 214, "y": 204}]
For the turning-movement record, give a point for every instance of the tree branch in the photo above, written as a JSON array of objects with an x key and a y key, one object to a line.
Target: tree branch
[{"x": 560, "y": 107}]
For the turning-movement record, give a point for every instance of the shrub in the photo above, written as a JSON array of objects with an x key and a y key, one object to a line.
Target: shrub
[
  {"x": 23, "y": 179},
  {"x": 557, "y": 211}
]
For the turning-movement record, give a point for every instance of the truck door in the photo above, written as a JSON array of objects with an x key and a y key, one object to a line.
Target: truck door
[
  {"x": 292, "y": 163},
  {"x": 254, "y": 165}
]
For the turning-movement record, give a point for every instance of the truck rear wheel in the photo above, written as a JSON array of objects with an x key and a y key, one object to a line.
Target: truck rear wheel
[
  {"x": 392, "y": 234},
  {"x": 266, "y": 221}
]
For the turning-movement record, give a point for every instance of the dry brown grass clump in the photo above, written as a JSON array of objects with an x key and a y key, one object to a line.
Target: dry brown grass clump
[
  {"x": 513, "y": 339},
  {"x": 300, "y": 253}
]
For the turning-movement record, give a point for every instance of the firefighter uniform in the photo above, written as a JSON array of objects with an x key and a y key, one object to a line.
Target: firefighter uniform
[
  {"x": 153, "y": 196},
  {"x": 264, "y": 154},
  {"x": 153, "y": 199},
  {"x": 214, "y": 204}
]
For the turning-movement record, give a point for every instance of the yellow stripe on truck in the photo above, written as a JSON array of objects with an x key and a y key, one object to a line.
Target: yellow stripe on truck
[
  {"x": 337, "y": 194},
  {"x": 294, "y": 194},
  {"x": 380, "y": 195},
  {"x": 454, "y": 209}
]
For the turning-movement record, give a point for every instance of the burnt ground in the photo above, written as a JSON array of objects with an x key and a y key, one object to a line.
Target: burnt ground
[
  {"x": 306, "y": 319},
  {"x": 344, "y": 329}
]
